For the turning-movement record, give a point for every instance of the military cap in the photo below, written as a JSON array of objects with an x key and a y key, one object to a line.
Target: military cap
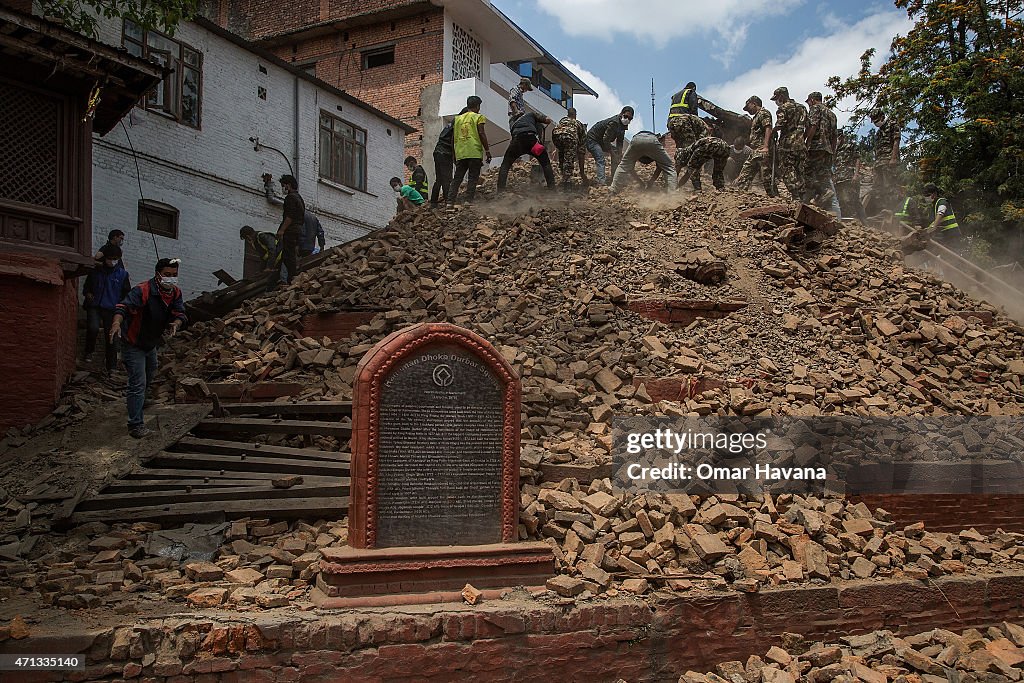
[
  {"x": 755, "y": 99},
  {"x": 781, "y": 93},
  {"x": 815, "y": 96}
]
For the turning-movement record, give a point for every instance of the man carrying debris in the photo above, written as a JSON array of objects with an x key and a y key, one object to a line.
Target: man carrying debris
[
  {"x": 607, "y": 137},
  {"x": 570, "y": 138},
  {"x": 417, "y": 176},
  {"x": 148, "y": 311},
  {"x": 821, "y": 139},
  {"x": 408, "y": 197},
  {"x": 761, "y": 142},
  {"x": 291, "y": 226},
  {"x": 738, "y": 155},
  {"x": 647, "y": 148},
  {"x": 847, "y": 177},
  {"x": 526, "y": 133},
  {"x": 944, "y": 227},
  {"x": 471, "y": 145},
  {"x": 104, "y": 288},
  {"x": 265, "y": 246},
  {"x": 791, "y": 122},
  {"x": 699, "y": 153}
]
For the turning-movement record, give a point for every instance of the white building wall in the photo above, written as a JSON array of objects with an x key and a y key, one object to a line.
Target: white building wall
[{"x": 213, "y": 175}]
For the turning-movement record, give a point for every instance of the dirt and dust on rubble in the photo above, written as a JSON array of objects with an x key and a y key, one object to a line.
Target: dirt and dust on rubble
[{"x": 583, "y": 295}]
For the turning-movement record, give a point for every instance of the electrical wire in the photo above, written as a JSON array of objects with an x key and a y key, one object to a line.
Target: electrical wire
[{"x": 142, "y": 196}]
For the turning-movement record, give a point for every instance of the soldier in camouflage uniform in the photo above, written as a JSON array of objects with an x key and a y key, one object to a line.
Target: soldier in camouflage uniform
[
  {"x": 760, "y": 142},
  {"x": 791, "y": 122},
  {"x": 847, "y": 178},
  {"x": 821, "y": 143},
  {"x": 699, "y": 153},
  {"x": 887, "y": 157},
  {"x": 686, "y": 129},
  {"x": 570, "y": 137}
]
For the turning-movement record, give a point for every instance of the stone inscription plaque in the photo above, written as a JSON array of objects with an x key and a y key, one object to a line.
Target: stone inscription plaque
[{"x": 440, "y": 444}]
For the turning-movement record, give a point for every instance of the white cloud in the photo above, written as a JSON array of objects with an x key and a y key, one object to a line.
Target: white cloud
[
  {"x": 818, "y": 58},
  {"x": 590, "y": 110},
  {"x": 659, "y": 21}
]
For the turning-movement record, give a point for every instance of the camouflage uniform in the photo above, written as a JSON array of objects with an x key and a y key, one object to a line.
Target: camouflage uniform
[
  {"x": 686, "y": 130},
  {"x": 791, "y": 123},
  {"x": 818, "y": 172},
  {"x": 847, "y": 185},
  {"x": 759, "y": 160},
  {"x": 569, "y": 137},
  {"x": 884, "y": 171},
  {"x": 699, "y": 153}
]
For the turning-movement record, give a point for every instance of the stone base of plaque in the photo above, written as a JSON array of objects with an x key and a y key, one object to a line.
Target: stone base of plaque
[{"x": 353, "y": 572}]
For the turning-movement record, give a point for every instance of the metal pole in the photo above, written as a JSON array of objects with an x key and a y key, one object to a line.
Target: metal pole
[{"x": 654, "y": 126}]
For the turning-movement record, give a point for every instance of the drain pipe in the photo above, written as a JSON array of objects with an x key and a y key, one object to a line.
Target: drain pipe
[{"x": 295, "y": 127}]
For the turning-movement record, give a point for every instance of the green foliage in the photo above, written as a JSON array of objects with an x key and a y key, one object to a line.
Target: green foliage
[
  {"x": 957, "y": 81},
  {"x": 80, "y": 15}
]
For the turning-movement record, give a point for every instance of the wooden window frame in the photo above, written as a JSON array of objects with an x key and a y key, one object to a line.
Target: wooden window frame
[
  {"x": 365, "y": 56},
  {"x": 348, "y": 145},
  {"x": 171, "y": 87},
  {"x": 145, "y": 225}
]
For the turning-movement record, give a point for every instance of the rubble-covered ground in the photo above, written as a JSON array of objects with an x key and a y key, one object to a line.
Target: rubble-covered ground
[
  {"x": 845, "y": 329},
  {"x": 939, "y": 655}
]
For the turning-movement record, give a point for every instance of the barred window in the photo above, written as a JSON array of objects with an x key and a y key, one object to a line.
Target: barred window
[
  {"x": 342, "y": 152},
  {"x": 466, "y": 54},
  {"x": 179, "y": 95}
]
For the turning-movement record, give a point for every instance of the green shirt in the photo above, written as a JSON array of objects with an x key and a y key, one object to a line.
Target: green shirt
[
  {"x": 412, "y": 195},
  {"x": 467, "y": 137}
]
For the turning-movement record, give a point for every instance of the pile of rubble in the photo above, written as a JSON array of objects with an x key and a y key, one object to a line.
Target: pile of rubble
[
  {"x": 245, "y": 564},
  {"x": 846, "y": 328},
  {"x": 606, "y": 541},
  {"x": 993, "y": 654}
]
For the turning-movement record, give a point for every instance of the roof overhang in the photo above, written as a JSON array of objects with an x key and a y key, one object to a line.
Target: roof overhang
[
  {"x": 505, "y": 41},
  {"x": 549, "y": 60},
  {"x": 78, "y": 63}
]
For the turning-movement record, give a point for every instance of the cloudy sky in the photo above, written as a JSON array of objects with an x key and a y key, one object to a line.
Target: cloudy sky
[{"x": 731, "y": 48}]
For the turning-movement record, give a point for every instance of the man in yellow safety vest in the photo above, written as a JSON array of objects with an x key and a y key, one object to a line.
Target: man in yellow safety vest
[{"x": 944, "y": 228}]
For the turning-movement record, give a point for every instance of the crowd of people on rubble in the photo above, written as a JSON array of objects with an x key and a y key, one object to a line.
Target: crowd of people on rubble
[{"x": 802, "y": 147}]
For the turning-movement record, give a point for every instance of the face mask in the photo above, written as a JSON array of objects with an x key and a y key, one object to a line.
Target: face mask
[
  {"x": 168, "y": 282},
  {"x": 626, "y": 121},
  {"x": 396, "y": 189},
  {"x": 113, "y": 264}
]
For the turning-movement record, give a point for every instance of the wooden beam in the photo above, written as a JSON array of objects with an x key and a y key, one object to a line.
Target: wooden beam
[
  {"x": 164, "y": 475},
  {"x": 261, "y": 391},
  {"x": 195, "y": 444},
  {"x": 283, "y": 508},
  {"x": 199, "y": 461},
  {"x": 214, "y": 497},
  {"x": 195, "y": 484},
  {"x": 248, "y": 425},
  {"x": 290, "y": 409}
]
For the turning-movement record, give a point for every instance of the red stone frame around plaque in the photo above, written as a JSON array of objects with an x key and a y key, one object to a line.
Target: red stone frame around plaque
[{"x": 375, "y": 366}]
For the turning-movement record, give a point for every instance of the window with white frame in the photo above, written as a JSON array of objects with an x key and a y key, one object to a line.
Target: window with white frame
[
  {"x": 179, "y": 94},
  {"x": 466, "y": 55}
]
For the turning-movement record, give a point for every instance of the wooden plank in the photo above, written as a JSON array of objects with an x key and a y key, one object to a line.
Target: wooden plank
[
  {"x": 221, "y": 447},
  {"x": 142, "y": 485},
  {"x": 252, "y": 425},
  {"x": 283, "y": 508},
  {"x": 215, "y": 496},
  {"x": 290, "y": 409},
  {"x": 244, "y": 463},
  {"x": 62, "y": 518},
  {"x": 261, "y": 391},
  {"x": 164, "y": 475}
]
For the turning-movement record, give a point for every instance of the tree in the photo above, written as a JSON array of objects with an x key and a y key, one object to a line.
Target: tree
[
  {"x": 957, "y": 80},
  {"x": 80, "y": 15}
]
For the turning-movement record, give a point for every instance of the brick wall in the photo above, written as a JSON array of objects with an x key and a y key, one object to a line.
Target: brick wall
[
  {"x": 37, "y": 337},
  {"x": 395, "y": 88},
  {"x": 597, "y": 641},
  {"x": 952, "y": 512},
  {"x": 261, "y": 18},
  {"x": 212, "y": 175}
]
